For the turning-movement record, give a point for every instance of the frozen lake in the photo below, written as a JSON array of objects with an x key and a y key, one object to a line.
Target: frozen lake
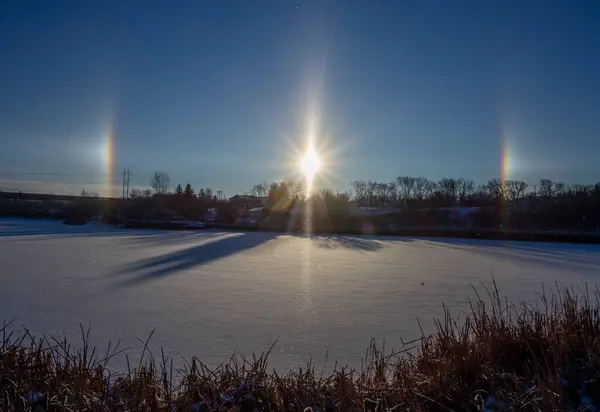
[{"x": 211, "y": 293}]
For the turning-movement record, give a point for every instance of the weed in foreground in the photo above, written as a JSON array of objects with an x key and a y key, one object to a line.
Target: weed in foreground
[{"x": 501, "y": 357}]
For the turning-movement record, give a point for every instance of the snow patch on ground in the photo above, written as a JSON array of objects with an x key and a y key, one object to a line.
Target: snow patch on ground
[{"x": 213, "y": 293}]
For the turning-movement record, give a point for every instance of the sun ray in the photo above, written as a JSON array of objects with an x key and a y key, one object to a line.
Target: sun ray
[
  {"x": 108, "y": 153},
  {"x": 505, "y": 160}
]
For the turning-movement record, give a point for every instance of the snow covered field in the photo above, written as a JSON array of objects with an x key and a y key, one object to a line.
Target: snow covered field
[{"x": 211, "y": 293}]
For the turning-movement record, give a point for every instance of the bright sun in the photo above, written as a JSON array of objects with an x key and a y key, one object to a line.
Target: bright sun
[{"x": 310, "y": 164}]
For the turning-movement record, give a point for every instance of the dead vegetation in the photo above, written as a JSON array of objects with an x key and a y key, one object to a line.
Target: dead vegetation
[{"x": 500, "y": 357}]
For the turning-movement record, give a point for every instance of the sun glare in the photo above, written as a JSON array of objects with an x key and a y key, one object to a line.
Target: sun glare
[{"x": 310, "y": 164}]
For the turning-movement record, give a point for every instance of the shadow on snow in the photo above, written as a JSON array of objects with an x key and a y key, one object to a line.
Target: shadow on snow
[
  {"x": 570, "y": 256},
  {"x": 44, "y": 230},
  {"x": 347, "y": 242},
  {"x": 198, "y": 255},
  {"x": 171, "y": 263}
]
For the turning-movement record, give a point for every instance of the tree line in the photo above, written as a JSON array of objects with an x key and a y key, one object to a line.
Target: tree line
[
  {"x": 406, "y": 191},
  {"x": 424, "y": 192},
  {"x": 497, "y": 203},
  {"x": 412, "y": 200}
]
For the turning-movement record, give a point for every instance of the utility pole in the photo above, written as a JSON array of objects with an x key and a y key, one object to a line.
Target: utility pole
[{"x": 126, "y": 176}]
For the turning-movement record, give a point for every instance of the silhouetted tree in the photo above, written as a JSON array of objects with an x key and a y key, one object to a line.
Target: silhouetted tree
[
  {"x": 294, "y": 188},
  {"x": 135, "y": 193},
  {"x": 431, "y": 188},
  {"x": 178, "y": 191},
  {"x": 188, "y": 191},
  {"x": 448, "y": 188},
  {"x": 371, "y": 187},
  {"x": 496, "y": 189},
  {"x": 546, "y": 188},
  {"x": 261, "y": 189},
  {"x": 421, "y": 188},
  {"x": 278, "y": 198},
  {"x": 406, "y": 186},
  {"x": 360, "y": 190},
  {"x": 393, "y": 190},
  {"x": 258, "y": 190},
  {"x": 515, "y": 189},
  {"x": 382, "y": 193},
  {"x": 160, "y": 182},
  {"x": 465, "y": 189},
  {"x": 89, "y": 194}
]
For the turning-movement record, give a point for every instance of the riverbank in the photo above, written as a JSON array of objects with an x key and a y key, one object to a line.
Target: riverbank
[
  {"x": 560, "y": 236},
  {"x": 500, "y": 357}
]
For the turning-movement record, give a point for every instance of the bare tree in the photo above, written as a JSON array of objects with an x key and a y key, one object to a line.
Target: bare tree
[
  {"x": 140, "y": 194},
  {"x": 406, "y": 186},
  {"x": 465, "y": 188},
  {"x": 393, "y": 190},
  {"x": 360, "y": 190},
  {"x": 257, "y": 190},
  {"x": 371, "y": 187},
  {"x": 421, "y": 187},
  {"x": 482, "y": 192},
  {"x": 496, "y": 189},
  {"x": 448, "y": 187},
  {"x": 581, "y": 189},
  {"x": 511, "y": 189},
  {"x": 135, "y": 193},
  {"x": 521, "y": 187},
  {"x": 89, "y": 194},
  {"x": 515, "y": 189},
  {"x": 546, "y": 188},
  {"x": 160, "y": 182},
  {"x": 261, "y": 189},
  {"x": 294, "y": 188},
  {"x": 266, "y": 188},
  {"x": 430, "y": 188},
  {"x": 382, "y": 193}
]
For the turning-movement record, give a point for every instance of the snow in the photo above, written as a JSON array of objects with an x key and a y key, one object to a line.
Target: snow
[{"x": 214, "y": 293}]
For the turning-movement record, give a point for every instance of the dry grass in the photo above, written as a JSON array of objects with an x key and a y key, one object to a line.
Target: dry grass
[{"x": 501, "y": 357}]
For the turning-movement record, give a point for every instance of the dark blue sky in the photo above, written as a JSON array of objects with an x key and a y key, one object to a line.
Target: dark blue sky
[{"x": 222, "y": 93}]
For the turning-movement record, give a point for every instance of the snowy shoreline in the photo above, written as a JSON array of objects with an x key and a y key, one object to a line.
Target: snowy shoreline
[
  {"x": 500, "y": 234},
  {"x": 500, "y": 357},
  {"x": 222, "y": 292}
]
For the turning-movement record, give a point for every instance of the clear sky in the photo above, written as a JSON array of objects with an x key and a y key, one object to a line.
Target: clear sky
[{"x": 223, "y": 94}]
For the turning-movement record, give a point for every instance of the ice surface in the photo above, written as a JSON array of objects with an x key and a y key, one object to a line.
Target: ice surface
[{"x": 211, "y": 293}]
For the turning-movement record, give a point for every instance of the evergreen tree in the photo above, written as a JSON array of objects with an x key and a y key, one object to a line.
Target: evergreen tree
[
  {"x": 179, "y": 190},
  {"x": 188, "y": 192}
]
